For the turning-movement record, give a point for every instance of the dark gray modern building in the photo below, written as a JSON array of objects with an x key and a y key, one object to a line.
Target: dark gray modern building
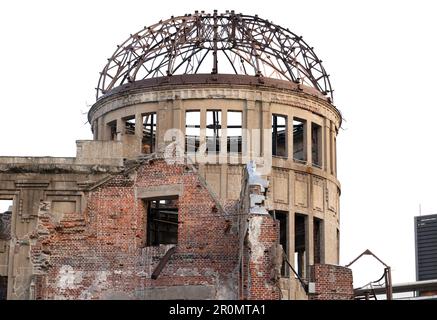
[{"x": 426, "y": 247}]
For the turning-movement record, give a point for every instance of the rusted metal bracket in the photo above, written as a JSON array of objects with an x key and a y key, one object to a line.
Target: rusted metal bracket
[
  {"x": 163, "y": 262},
  {"x": 386, "y": 275}
]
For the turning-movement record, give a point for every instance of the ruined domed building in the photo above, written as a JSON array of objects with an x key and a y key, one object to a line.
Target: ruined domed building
[{"x": 211, "y": 175}]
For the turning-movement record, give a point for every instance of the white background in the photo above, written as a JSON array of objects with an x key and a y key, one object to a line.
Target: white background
[{"x": 381, "y": 56}]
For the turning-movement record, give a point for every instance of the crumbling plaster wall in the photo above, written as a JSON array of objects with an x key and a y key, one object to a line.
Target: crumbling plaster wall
[{"x": 260, "y": 253}]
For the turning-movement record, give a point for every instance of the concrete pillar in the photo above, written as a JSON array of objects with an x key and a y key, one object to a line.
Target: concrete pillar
[
  {"x": 224, "y": 137},
  {"x": 178, "y": 121},
  {"x": 24, "y": 223},
  {"x": 100, "y": 133},
  {"x": 309, "y": 243},
  {"x": 202, "y": 128},
  {"x": 178, "y": 115},
  {"x": 252, "y": 134},
  {"x": 266, "y": 127},
  {"x": 307, "y": 142},
  {"x": 139, "y": 126},
  {"x": 333, "y": 150},
  {"x": 327, "y": 145},
  {"x": 164, "y": 119},
  {"x": 322, "y": 146},
  {"x": 121, "y": 128},
  {"x": 290, "y": 138},
  {"x": 95, "y": 130}
]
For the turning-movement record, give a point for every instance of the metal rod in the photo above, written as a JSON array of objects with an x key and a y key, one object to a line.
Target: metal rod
[{"x": 302, "y": 282}]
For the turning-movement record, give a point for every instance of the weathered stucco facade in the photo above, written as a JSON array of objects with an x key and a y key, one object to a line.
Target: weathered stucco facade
[{"x": 165, "y": 202}]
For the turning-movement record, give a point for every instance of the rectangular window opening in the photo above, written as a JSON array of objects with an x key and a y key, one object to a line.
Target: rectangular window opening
[
  {"x": 130, "y": 126},
  {"x": 192, "y": 131},
  {"x": 5, "y": 236},
  {"x": 318, "y": 239},
  {"x": 299, "y": 139},
  {"x": 149, "y": 133},
  {"x": 299, "y": 244},
  {"x": 279, "y": 135},
  {"x": 316, "y": 144},
  {"x": 162, "y": 221},
  {"x": 3, "y": 287},
  {"x": 5, "y": 219},
  {"x": 213, "y": 130},
  {"x": 234, "y": 131},
  {"x": 113, "y": 130},
  {"x": 282, "y": 217}
]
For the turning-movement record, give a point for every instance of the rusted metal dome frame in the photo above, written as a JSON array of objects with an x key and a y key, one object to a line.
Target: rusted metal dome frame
[{"x": 248, "y": 44}]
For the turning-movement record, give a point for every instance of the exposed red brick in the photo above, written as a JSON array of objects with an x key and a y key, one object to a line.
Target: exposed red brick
[
  {"x": 332, "y": 282},
  {"x": 105, "y": 242}
]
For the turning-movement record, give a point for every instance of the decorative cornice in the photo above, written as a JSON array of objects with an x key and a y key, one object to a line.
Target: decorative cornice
[{"x": 136, "y": 94}]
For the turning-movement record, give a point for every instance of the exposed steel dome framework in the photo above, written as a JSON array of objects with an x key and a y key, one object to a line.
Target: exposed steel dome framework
[{"x": 203, "y": 43}]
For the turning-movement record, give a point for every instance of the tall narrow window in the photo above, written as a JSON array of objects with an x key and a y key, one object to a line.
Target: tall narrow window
[
  {"x": 282, "y": 217},
  {"x": 234, "y": 131},
  {"x": 162, "y": 221},
  {"x": 318, "y": 240},
  {"x": 3, "y": 287},
  {"x": 192, "y": 131},
  {"x": 113, "y": 130},
  {"x": 299, "y": 244},
  {"x": 149, "y": 133},
  {"x": 213, "y": 130},
  {"x": 5, "y": 236},
  {"x": 5, "y": 219},
  {"x": 316, "y": 144},
  {"x": 299, "y": 140},
  {"x": 279, "y": 135},
  {"x": 130, "y": 126}
]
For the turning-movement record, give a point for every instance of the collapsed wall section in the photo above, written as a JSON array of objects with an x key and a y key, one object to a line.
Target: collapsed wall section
[
  {"x": 102, "y": 253},
  {"x": 331, "y": 282}
]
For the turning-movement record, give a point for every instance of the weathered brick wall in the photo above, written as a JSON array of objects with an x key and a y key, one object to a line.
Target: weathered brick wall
[
  {"x": 99, "y": 253},
  {"x": 332, "y": 282},
  {"x": 262, "y": 253}
]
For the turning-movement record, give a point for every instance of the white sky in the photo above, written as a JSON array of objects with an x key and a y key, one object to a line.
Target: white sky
[{"x": 381, "y": 56}]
